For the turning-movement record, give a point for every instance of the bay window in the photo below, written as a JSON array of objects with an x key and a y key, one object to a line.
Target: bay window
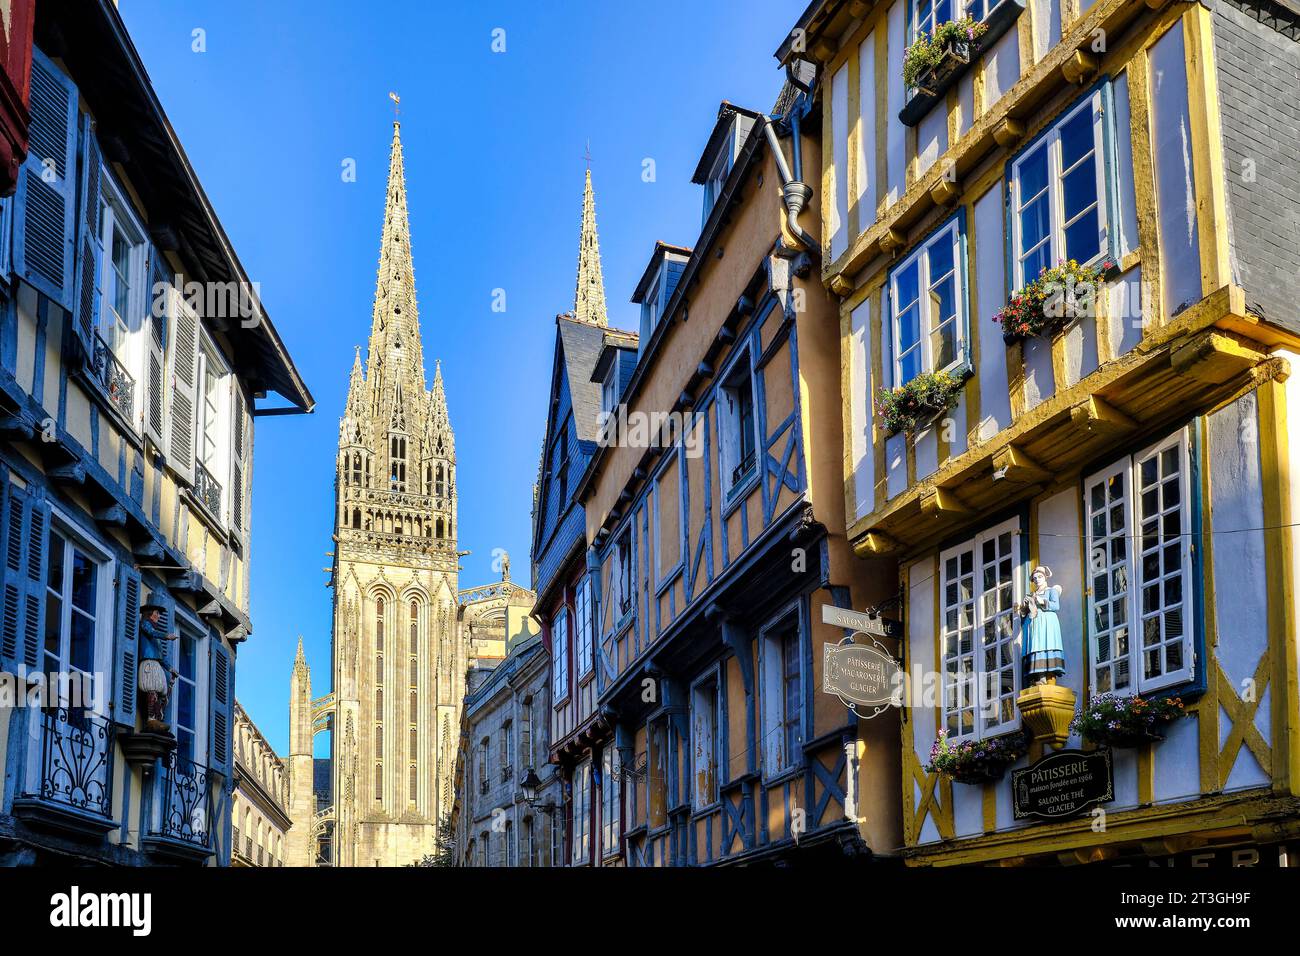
[
  {"x": 979, "y": 584},
  {"x": 927, "y": 296},
  {"x": 1140, "y": 570},
  {"x": 1059, "y": 203}
]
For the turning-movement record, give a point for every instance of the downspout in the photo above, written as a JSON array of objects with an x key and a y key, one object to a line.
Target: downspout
[{"x": 795, "y": 192}]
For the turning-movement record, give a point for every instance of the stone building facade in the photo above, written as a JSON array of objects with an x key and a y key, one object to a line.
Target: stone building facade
[
  {"x": 505, "y": 734},
  {"x": 259, "y": 814}
]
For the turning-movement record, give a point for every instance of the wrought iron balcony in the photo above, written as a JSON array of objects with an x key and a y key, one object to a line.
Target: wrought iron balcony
[
  {"x": 207, "y": 489},
  {"x": 73, "y": 781},
  {"x": 184, "y": 814},
  {"x": 118, "y": 384}
]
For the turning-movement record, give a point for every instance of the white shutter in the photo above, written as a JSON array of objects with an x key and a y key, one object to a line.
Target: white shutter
[
  {"x": 160, "y": 312},
  {"x": 1108, "y": 510},
  {"x": 184, "y": 349},
  {"x": 240, "y": 436},
  {"x": 46, "y": 197},
  {"x": 1163, "y": 613}
]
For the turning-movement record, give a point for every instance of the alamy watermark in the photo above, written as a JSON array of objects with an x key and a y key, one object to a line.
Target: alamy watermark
[
  {"x": 623, "y": 427},
  {"x": 241, "y": 301},
  {"x": 38, "y": 688}
]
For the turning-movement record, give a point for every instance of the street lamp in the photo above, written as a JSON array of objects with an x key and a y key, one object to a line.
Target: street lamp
[{"x": 530, "y": 783}]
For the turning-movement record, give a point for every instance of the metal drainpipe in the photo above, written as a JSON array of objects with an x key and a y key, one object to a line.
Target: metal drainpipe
[{"x": 795, "y": 193}]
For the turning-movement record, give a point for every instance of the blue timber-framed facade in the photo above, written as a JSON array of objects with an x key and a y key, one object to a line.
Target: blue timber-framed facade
[
  {"x": 714, "y": 551},
  {"x": 127, "y": 401}
]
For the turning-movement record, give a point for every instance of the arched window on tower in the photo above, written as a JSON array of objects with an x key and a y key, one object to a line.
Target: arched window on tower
[
  {"x": 397, "y": 462},
  {"x": 356, "y": 518},
  {"x": 379, "y": 740},
  {"x": 428, "y": 479}
]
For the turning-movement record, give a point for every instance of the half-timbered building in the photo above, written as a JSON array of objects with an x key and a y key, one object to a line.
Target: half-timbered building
[
  {"x": 134, "y": 357},
  {"x": 1138, "y": 446},
  {"x": 715, "y": 530}
]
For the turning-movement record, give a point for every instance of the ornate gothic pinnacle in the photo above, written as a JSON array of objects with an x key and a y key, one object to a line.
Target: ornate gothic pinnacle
[{"x": 589, "y": 299}]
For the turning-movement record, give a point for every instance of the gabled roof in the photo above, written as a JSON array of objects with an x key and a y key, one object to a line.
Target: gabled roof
[
  {"x": 727, "y": 113},
  {"x": 580, "y": 345},
  {"x": 652, "y": 267}
]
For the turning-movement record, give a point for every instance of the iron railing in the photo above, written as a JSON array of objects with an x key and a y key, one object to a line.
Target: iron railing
[
  {"x": 76, "y": 760},
  {"x": 118, "y": 384},
  {"x": 207, "y": 489},
  {"x": 186, "y": 811}
]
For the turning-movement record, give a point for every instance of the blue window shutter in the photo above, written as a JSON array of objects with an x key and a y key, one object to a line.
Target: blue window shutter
[
  {"x": 46, "y": 199},
  {"x": 89, "y": 244},
  {"x": 26, "y": 542},
  {"x": 126, "y": 649},
  {"x": 222, "y": 697}
]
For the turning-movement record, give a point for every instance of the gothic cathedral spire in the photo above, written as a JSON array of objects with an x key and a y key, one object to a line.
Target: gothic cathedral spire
[{"x": 589, "y": 300}]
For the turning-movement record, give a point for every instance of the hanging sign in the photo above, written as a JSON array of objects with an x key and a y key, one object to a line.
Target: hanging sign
[
  {"x": 862, "y": 675},
  {"x": 1062, "y": 785},
  {"x": 873, "y": 625}
]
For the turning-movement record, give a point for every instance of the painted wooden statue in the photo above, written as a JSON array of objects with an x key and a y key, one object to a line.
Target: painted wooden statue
[
  {"x": 155, "y": 675},
  {"x": 1044, "y": 653}
]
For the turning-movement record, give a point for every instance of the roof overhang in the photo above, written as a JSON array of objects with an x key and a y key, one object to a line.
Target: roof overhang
[
  {"x": 136, "y": 134},
  {"x": 727, "y": 113}
]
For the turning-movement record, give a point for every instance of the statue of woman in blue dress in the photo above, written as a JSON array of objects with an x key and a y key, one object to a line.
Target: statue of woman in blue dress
[{"x": 1044, "y": 653}]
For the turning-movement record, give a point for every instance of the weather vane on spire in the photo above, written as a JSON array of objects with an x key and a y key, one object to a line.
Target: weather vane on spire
[
  {"x": 587, "y": 154},
  {"x": 397, "y": 106}
]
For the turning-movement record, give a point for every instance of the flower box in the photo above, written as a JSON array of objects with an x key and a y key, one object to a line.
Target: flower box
[
  {"x": 1060, "y": 294},
  {"x": 936, "y": 66},
  {"x": 920, "y": 400},
  {"x": 1110, "y": 720},
  {"x": 976, "y": 761}
]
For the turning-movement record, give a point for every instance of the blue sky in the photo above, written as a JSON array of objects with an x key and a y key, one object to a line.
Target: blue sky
[{"x": 287, "y": 91}]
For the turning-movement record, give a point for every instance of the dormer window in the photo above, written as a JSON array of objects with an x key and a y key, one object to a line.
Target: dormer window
[
  {"x": 717, "y": 177},
  {"x": 650, "y": 310},
  {"x": 609, "y": 389}
]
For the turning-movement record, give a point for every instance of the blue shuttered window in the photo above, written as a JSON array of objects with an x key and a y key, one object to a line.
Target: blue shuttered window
[
  {"x": 126, "y": 653},
  {"x": 22, "y": 612},
  {"x": 46, "y": 196},
  {"x": 89, "y": 243},
  {"x": 222, "y": 694}
]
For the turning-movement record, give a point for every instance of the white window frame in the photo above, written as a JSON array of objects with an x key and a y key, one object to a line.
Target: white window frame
[
  {"x": 914, "y": 25},
  {"x": 624, "y": 585},
  {"x": 609, "y": 388},
  {"x": 580, "y": 845},
  {"x": 719, "y": 172},
  {"x": 117, "y": 215},
  {"x": 729, "y": 425},
  {"x": 102, "y": 654},
  {"x": 190, "y": 630},
  {"x": 955, "y": 695},
  {"x": 582, "y": 615},
  {"x": 926, "y": 323},
  {"x": 1050, "y": 140},
  {"x": 560, "y": 655},
  {"x": 776, "y": 760},
  {"x": 651, "y": 306},
  {"x": 1136, "y": 549}
]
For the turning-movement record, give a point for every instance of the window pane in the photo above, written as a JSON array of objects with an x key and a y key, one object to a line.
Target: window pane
[{"x": 1076, "y": 137}]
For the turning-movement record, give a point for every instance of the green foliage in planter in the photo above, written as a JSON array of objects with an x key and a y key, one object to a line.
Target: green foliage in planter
[
  {"x": 927, "y": 52},
  {"x": 1059, "y": 294},
  {"x": 928, "y": 394},
  {"x": 974, "y": 761},
  {"x": 1111, "y": 720}
]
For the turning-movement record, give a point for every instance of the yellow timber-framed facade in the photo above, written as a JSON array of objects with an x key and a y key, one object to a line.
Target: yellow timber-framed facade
[{"x": 1184, "y": 365}]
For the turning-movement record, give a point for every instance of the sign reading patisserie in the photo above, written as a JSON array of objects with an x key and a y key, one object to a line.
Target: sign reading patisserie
[
  {"x": 862, "y": 675},
  {"x": 1062, "y": 784}
]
